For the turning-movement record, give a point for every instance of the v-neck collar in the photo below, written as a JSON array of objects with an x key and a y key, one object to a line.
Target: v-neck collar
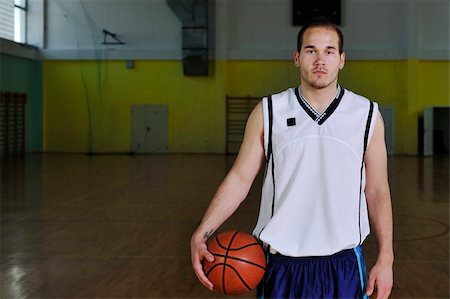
[{"x": 319, "y": 118}]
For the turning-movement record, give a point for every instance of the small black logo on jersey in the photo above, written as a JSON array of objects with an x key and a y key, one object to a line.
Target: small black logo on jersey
[{"x": 290, "y": 122}]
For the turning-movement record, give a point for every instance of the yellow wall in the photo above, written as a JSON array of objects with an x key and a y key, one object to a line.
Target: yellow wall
[
  {"x": 197, "y": 104},
  {"x": 407, "y": 86}
]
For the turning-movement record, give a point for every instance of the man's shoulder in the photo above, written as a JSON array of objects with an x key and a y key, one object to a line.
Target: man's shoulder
[
  {"x": 285, "y": 94},
  {"x": 356, "y": 98}
]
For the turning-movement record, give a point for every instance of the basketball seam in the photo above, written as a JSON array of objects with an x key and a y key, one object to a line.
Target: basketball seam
[
  {"x": 245, "y": 246},
  {"x": 232, "y": 268},
  {"x": 220, "y": 244},
  {"x": 239, "y": 259},
  {"x": 240, "y": 277},
  {"x": 210, "y": 269},
  {"x": 239, "y": 248},
  {"x": 225, "y": 260}
]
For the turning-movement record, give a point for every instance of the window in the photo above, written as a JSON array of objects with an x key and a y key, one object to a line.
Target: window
[
  {"x": 20, "y": 20},
  {"x": 13, "y": 16}
]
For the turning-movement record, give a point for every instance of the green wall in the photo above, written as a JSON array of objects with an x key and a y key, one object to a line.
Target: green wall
[
  {"x": 25, "y": 75},
  {"x": 87, "y": 104}
]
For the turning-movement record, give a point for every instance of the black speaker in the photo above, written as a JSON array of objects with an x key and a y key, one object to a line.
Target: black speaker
[
  {"x": 305, "y": 11},
  {"x": 195, "y": 50},
  {"x": 195, "y": 62}
]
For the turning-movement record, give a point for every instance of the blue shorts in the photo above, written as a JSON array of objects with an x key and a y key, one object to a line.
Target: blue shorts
[{"x": 341, "y": 275}]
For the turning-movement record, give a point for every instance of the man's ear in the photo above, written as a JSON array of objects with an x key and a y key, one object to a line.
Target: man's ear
[
  {"x": 297, "y": 58},
  {"x": 342, "y": 62}
]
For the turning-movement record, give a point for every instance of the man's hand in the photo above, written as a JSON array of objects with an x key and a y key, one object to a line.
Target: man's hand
[
  {"x": 199, "y": 251},
  {"x": 380, "y": 212},
  {"x": 381, "y": 278},
  {"x": 231, "y": 192}
]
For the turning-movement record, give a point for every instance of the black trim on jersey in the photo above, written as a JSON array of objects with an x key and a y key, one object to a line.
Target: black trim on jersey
[
  {"x": 273, "y": 181},
  {"x": 270, "y": 153},
  {"x": 327, "y": 113},
  {"x": 366, "y": 134},
  {"x": 307, "y": 110},
  {"x": 366, "y": 139},
  {"x": 269, "y": 158},
  {"x": 332, "y": 107},
  {"x": 269, "y": 145}
]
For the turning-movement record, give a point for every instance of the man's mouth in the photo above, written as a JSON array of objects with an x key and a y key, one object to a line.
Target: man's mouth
[{"x": 320, "y": 72}]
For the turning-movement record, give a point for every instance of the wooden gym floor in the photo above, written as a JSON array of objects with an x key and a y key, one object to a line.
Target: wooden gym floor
[{"x": 77, "y": 226}]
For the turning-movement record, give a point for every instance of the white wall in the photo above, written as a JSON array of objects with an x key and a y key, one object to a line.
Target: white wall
[
  {"x": 434, "y": 29},
  {"x": 149, "y": 29},
  {"x": 245, "y": 29},
  {"x": 35, "y": 23}
]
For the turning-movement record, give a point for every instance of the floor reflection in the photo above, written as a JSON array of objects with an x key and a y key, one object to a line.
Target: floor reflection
[{"x": 77, "y": 226}]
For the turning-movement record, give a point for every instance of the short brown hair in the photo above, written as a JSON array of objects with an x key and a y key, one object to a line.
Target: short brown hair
[{"x": 324, "y": 23}]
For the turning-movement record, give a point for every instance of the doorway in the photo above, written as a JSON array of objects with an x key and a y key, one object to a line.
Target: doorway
[{"x": 149, "y": 129}]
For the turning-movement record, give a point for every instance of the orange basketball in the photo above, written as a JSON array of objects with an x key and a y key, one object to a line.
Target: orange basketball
[{"x": 239, "y": 263}]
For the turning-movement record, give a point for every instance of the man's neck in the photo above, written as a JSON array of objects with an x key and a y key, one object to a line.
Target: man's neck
[{"x": 321, "y": 98}]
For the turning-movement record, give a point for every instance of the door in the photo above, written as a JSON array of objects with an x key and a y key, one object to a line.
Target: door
[
  {"x": 428, "y": 131},
  {"x": 436, "y": 131},
  {"x": 149, "y": 129}
]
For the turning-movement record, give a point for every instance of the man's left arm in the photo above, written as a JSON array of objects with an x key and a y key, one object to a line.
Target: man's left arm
[{"x": 380, "y": 212}]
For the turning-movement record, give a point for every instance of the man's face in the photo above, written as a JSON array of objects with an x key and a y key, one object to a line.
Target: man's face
[{"x": 319, "y": 60}]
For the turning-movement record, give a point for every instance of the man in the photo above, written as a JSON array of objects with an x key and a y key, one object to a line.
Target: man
[{"x": 326, "y": 173}]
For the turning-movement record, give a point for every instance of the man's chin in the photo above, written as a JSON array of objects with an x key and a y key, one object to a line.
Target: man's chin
[{"x": 319, "y": 85}]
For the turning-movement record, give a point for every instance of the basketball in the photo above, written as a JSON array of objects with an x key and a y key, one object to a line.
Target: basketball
[{"x": 239, "y": 263}]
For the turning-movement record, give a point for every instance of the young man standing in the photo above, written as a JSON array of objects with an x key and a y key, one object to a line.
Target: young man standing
[{"x": 326, "y": 173}]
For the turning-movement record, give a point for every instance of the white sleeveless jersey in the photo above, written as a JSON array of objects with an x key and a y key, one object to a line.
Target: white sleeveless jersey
[{"x": 313, "y": 201}]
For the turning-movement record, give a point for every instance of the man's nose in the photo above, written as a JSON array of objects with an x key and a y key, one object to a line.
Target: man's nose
[{"x": 320, "y": 59}]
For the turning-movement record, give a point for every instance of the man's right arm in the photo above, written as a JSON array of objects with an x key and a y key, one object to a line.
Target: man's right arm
[{"x": 231, "y": 192}]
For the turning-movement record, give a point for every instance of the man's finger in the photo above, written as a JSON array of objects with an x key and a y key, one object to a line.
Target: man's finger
[
  {"x": 383, "y": 292},
  {"x": 370, "y": 286},
  {"x": 208, "y": 256},
  {"x": 202, "y": 277}
]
